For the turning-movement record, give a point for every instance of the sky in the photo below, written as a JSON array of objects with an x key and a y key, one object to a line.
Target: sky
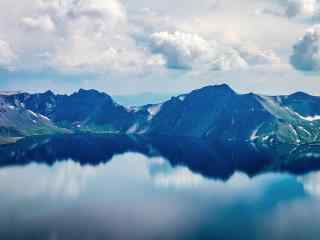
[{"x": 135, "y": 46}]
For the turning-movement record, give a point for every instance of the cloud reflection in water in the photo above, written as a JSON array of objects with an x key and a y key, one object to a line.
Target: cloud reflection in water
[{"x": 137, "y": 197}]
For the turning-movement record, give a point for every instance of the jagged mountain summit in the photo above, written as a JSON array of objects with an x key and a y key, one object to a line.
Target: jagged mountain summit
[{"x": 213, "y": 112}]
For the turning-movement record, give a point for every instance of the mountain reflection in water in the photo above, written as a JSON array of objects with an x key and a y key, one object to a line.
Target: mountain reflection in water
[{"x": 130, "y": 187}]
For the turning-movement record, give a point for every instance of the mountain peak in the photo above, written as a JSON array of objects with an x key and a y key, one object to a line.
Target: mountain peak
[
  {"x": 221, "y": 87},
  {"x": 90, "y": 92},
  {"x": 224, "y": 87},
  {"x": 215, "y": 90},
  {"x": 81, "y": 90},
  {"x": 49, "y": 93},
  {"x": 299, "y": 95}
]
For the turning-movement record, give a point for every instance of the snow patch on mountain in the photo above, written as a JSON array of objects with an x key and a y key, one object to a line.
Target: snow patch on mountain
[
  {"x": 153, "y": 111},
  {"x": 294, "y": 131},
  {"x": 182, "y": 97},
  {"x": 43, "y": 117},
  {"x": 133, "y": 129},
  {"x": 306, "y": 118},
  {"x": 254, "y": 135},
  {"x": 304, "y": 130},
  {"x": 312, "y": 118},
  {"x": 134, "y": 109},
  {"x": 269, "y": 104},
  {"x": 32, "y": 113}
]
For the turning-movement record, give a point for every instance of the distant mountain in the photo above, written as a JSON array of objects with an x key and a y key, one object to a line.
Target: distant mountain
[
  {"x": 141, "y": 99},
  {"x": 8, "y": 93},
  {"x": 213, "y": 112}
]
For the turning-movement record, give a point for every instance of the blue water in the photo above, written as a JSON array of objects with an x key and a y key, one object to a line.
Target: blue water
[{"x": 145, "y": 193}]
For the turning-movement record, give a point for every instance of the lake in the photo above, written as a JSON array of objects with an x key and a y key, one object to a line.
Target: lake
[{"x": 89, "y": 186}]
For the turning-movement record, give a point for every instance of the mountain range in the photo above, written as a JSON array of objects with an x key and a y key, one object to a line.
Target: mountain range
[{"x": 212, "y": 112}]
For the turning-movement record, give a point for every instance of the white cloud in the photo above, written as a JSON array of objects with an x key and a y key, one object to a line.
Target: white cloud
[
  {"x": 7, "y": 56},
  {"x": 98, "y": 9},
  {"x": 306, "y": 53},
  {"x": 80, "y": 53},
  {"x": 294, "y": 8},
  {"x": 43, "y": 23},
  {"x": 85, "y": 36},
  {"x": 180, "y": 49},
  {"x": 255, "y": 56},
  {"x": 186, "y": 50},
  {"x": 109, "y": 37}
]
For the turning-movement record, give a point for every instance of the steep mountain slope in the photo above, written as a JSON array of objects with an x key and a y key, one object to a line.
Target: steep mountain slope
[
  {"x": 85, "y": 109},
  {"x": 304, "y": 104},
  {"x": 287, "y": 125},
  {"x": 217, "y": 112},
  {"x": 213, "y": 112},
  {"x": 17, "y": 121}
]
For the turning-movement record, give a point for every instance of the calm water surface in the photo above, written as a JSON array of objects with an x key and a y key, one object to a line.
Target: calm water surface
[{"x": 108, "y": 187}]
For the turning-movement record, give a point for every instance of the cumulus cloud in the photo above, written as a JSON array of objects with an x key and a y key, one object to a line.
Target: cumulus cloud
[
  {"x": 186, "y": 51},
  {"x": 306, "y": 52},
  {"x": 225, "y": 59},
  {"x": 180, "y": 49},
  {"x": 121, "y": 36},
  {"x": 74, "y": 36},
  {"x": 243, "y": 56}
]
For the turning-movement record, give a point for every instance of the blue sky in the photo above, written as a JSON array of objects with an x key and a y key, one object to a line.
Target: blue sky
[{"x": 127, "y": 47}]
